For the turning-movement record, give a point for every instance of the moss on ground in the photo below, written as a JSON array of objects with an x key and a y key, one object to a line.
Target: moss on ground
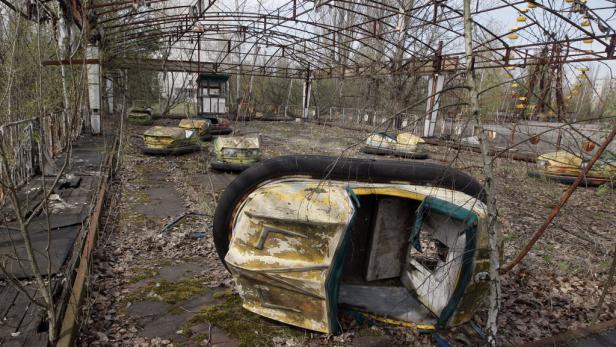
[
  {"x": 176, "y": 310},
  {"x": 144, "y": 274},
  {"x": 128, "y": 218},
  {"x": 170, "y": 291},
  {"x": 139, "y": 197},
  {"x": 248, "y": 328}
]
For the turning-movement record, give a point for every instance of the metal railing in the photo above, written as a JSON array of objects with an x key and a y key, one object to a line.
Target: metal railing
[
  {"x": 530, "y": 136},
  {"x": 373, "y": 120},
  {"x": 28, "y": 143}
]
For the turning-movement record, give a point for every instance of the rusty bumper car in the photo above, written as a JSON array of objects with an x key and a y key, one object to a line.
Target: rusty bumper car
[
  {"x": 305, "y": 236},
  {"x": 219, "y": 125},
  {"x": 201, "y": 126},
  {"x": 236, "y": 153},
  {"x": 140, "y": 115},
  {"x": 565, "y": 167},
  {"x": 159, "y": 140},
  {"x": 405, "y": 145}
]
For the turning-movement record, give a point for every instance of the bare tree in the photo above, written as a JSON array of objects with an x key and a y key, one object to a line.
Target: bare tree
[
  {"x": 495, "y": 290},
  {"x": 22, "y": 35}
]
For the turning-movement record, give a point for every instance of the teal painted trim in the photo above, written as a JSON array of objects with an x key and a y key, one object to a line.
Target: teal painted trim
[
  {"x": 450, "y": 209},
  {"x": 419, "y": 216},
  {"x": 470, "y": 220},
  {"x": 443, "y": 207},
  {"x": 466, "y": 274},
  {"x": 332, "y": 283},
  {"x": 353, "y": 196}
]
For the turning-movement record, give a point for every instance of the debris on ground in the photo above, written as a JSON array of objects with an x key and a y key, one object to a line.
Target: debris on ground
[{"x": 131, "y": 299}]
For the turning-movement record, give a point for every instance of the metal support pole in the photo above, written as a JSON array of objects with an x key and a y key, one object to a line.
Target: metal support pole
[
  {"x": 306, "y": 94},
  {"x": 435, "y": 87},
  {"x": 110, "y": 95},
  {"x": 94, "y": 89}
]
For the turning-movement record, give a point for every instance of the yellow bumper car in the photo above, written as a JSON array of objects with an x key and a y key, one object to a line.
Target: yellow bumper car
[
  {"x": 565, "y": 167},
  {"x": 405, "y": 145},
  {"x": 201, "y": 126},
  {"x": 236, "y": 153},
  {"x": 159, "y": 140},
  {"x": 140, "y": 116},
  {"x": 404, "y": 241}
]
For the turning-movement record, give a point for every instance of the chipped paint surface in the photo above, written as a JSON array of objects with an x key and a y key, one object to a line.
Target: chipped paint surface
[
  {"x": 243, "y": 142},
  {"x": 238, "y": 149},
  {"x": 286, "y": 234},
  {"x": 200, "y": 125},
  {"x": 167, "y": 137},
  {"x": 283, "y": 244},
  {"x": 402, "y": 142}
]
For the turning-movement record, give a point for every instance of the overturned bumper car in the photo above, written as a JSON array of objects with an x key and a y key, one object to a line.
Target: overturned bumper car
[
  {"x": 201, "y": 126},
  {"x": 219, "y": 125},
  {"x": 159, "y": 140},
  {"x": 140, "y": 116},
  {"x": 305, "y": 236},
  {"x": 405, "y": 145},
  {"x": 565, "y": 167},
  {"x": 236, "y": 153}
]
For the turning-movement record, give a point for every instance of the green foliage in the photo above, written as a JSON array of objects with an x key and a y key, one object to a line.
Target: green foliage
[{"x": 604, "y": 189}]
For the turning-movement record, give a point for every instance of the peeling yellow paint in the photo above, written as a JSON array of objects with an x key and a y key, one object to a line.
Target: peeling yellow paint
[
  {"x": 238, "y": 149},
  {"x": 167, "y": 137},
  {"x": 200, "y": 125},
  {"x": 569, "y": 164},
  {"x": 286, "y": 234},
  {"x": 402, "y": 142}
]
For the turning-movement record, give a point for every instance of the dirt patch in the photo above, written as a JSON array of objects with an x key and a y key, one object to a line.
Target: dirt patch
[{"x": 161, "y": 202}]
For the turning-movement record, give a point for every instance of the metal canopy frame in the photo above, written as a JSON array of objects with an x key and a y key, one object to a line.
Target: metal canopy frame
[{"x": 339, "y": 38}]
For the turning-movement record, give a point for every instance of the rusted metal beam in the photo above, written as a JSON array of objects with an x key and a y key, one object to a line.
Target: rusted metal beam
[{"x": 70, "y": 62}]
